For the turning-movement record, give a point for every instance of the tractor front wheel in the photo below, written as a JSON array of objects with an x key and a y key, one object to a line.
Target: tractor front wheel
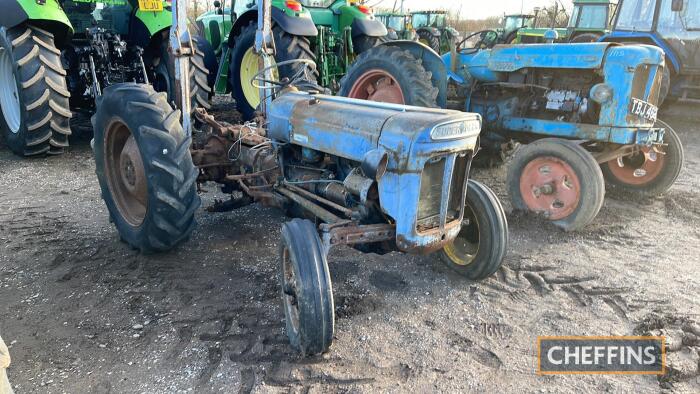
[
  {"x": 307, "y": 293},
  {"x": 144, "y": 167},
  {"x": 33, "y": 94},
  {"x": 480, "y": 247},
  {"x": 389, "y": 74},
  {"x": 558, "y": 179},
  {"x": 650, "y": 171}
]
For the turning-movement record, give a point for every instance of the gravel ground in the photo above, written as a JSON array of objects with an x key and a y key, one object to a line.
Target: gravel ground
[{"x": 82, "y": 312}]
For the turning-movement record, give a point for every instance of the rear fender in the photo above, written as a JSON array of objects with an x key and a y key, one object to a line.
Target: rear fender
[
  {"x": 301, "y": 25},
  {"x": 48, "y": 16},
  {"x": 431, "y": 62}
]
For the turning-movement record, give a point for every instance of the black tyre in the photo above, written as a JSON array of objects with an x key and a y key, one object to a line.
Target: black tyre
[
  {"x": 364, "y": 43},
  {"x": 33, "y": 95},
  {"x": 210, "y": 62},
  {"x": 511, "y": 38},
  {"x": 307, "y": 293},
  {"x": 429, "y": 39},
  {"x": 243, "y": 64},
  {"x": 586, "y": 37},
  {"x": 389, "y": 74},
  {"x": 479, "y": 249},
  {"x": 200, "y": 91},
  {"x": 144, "y": 167},
  {"x": 647, "y": 173},
  {"x": 558, "y": 179}
]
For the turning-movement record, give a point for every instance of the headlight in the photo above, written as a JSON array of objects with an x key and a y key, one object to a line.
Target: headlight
[
  {"x": 601, "y": 93},
  {"x": 456, "y": 130}
]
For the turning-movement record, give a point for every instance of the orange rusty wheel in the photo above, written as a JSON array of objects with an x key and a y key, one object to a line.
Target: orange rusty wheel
[
  {"x": 377, "y": 85},
  {"x": 557, "y": 179},
  {"x": 551, "y": 187},
  {"x": 649, "y": 171}
]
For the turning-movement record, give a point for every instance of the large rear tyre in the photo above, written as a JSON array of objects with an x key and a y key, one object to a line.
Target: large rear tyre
[
  {"x": 200, "y": 91},
  {"x": 33, "y": 94},
  {"x": 650, "y": 171},
  {"x": 144, "y": 168},
  {"x": 389, "y": 74},
  {"x": 480, "y": 247},
  {"x": 558, "y": 179},
  {"x": 429, "y": 39},
  {"x": 244, "y": 64},
  {"x": 307, "y": 293}
]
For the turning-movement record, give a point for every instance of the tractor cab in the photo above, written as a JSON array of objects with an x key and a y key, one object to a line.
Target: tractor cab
[
  {"x": 432, "y": 30},
  {"x": 397, "y": 25},
  {"x": 435, "y": 19},
  {"x": 512, "y": 23},
  {"x": 590, "y": 19},
  {"x": 672, "y": 25}
]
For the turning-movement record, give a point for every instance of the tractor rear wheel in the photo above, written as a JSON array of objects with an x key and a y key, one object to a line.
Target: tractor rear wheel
[
  {"x": 558, "y": 179},
  {"x": 429, "y": 39},
  {"x": 33, "y": 93},
  {"x": 144, "y": 168},
  {"x": 244, "y": 64},
  {"x": 480, "y": 247},
  {"x": 307, "y": 293},
  {"x": 650, "y": 171},
  {"x": 200, "y": 91},
  {"x": 389, "y": 74}
]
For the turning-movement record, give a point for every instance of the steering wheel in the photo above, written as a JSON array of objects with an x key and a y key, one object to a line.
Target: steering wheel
[
  {"x": 258, "y": 81},
  {"x": 488, "y": 38}
]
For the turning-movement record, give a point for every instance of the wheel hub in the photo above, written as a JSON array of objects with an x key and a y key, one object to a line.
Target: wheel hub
[
  {"x": 131, "y": 168},
  {"x": 551, "y": 187},
  {"x": 377, "y": 85},
  {"x": 9, "y": 96},
  {"x": 639, "y": 168}
]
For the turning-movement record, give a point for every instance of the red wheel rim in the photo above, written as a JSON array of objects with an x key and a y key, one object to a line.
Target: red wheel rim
[
  {"x": 377, "y": 85},
  {"x": 639, "y": 168},
  {"x": 551, "y": 187}
]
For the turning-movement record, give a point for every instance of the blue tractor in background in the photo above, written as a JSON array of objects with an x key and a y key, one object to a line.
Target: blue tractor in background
[
  {"x": 585, "y": 113},
  {"x": 672, "y": 25}
]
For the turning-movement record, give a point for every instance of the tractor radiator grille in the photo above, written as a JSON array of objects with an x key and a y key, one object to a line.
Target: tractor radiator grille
[
  {"x": 644, "y": 87},
  {"x": 452, "y": 169}
]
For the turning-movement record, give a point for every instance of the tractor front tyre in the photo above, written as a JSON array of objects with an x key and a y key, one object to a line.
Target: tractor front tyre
[
  {"x": 243, "y": 64},
  {"x": 558, "y": 179},
  {"x": 307, "y": 292},
  {"x": 649, "y": 172},
  {"x": 200, "y": 91},
  {"x": 481, "y": 245},
  {"x": 33, "y": 93},
  {"x": 429, "y": 39},
  {"x": 391, "y": 75},
  {"x": 144, "y": 168}
]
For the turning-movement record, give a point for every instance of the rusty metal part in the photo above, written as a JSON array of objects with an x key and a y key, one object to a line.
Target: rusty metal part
[
  {"x": 352, "y": 233},
  {"x": 614, "y": 153},
  {"x": 306, "y": 193},
  {"x": 125, "y": 173},
  {"x": 359, "y": 185},
  {"x": 315, "y": 209},
  {"x": 640, "y": 168},
  {"x": 550, "y": 186}
]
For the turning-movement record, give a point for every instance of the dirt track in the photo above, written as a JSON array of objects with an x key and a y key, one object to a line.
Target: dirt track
[{"x": 82, "y": 312}]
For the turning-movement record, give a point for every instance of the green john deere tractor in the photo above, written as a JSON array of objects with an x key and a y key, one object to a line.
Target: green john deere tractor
[
  {"x": 329, "y": 32},
  {"x": 397, "y": 25},
  {"x": 432, "y": 30},
  {"x": 57, "y": 56},
  {"x": 590, "y": 20}
]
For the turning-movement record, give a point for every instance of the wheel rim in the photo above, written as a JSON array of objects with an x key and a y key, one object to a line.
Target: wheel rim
[
  {"x": 250, "y": 65},
  {"x": 463, "y": 250},
  {"x": 550, "y": 186},
  {"x": 639, "y": 168},
  {"x": 377, "y": 85},
  {"x": 9, "y": 96},
  {"x": 126, "y": 176},
  {"x": 289, "y": 291}
]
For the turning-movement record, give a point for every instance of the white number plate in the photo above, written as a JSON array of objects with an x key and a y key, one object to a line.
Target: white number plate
[{"x": 643, "y": 109}]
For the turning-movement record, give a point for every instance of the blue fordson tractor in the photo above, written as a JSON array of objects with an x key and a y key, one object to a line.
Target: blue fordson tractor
[
  {"x": 379, "y": 177},
  {"x": 585, "y": 113}
]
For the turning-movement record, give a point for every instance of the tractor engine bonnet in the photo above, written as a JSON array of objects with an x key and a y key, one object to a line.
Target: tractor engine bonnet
[{"x": 428, "y": 152}]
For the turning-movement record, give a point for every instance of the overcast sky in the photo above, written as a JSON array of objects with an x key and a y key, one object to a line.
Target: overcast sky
[{"x": 471, "y": 9}]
